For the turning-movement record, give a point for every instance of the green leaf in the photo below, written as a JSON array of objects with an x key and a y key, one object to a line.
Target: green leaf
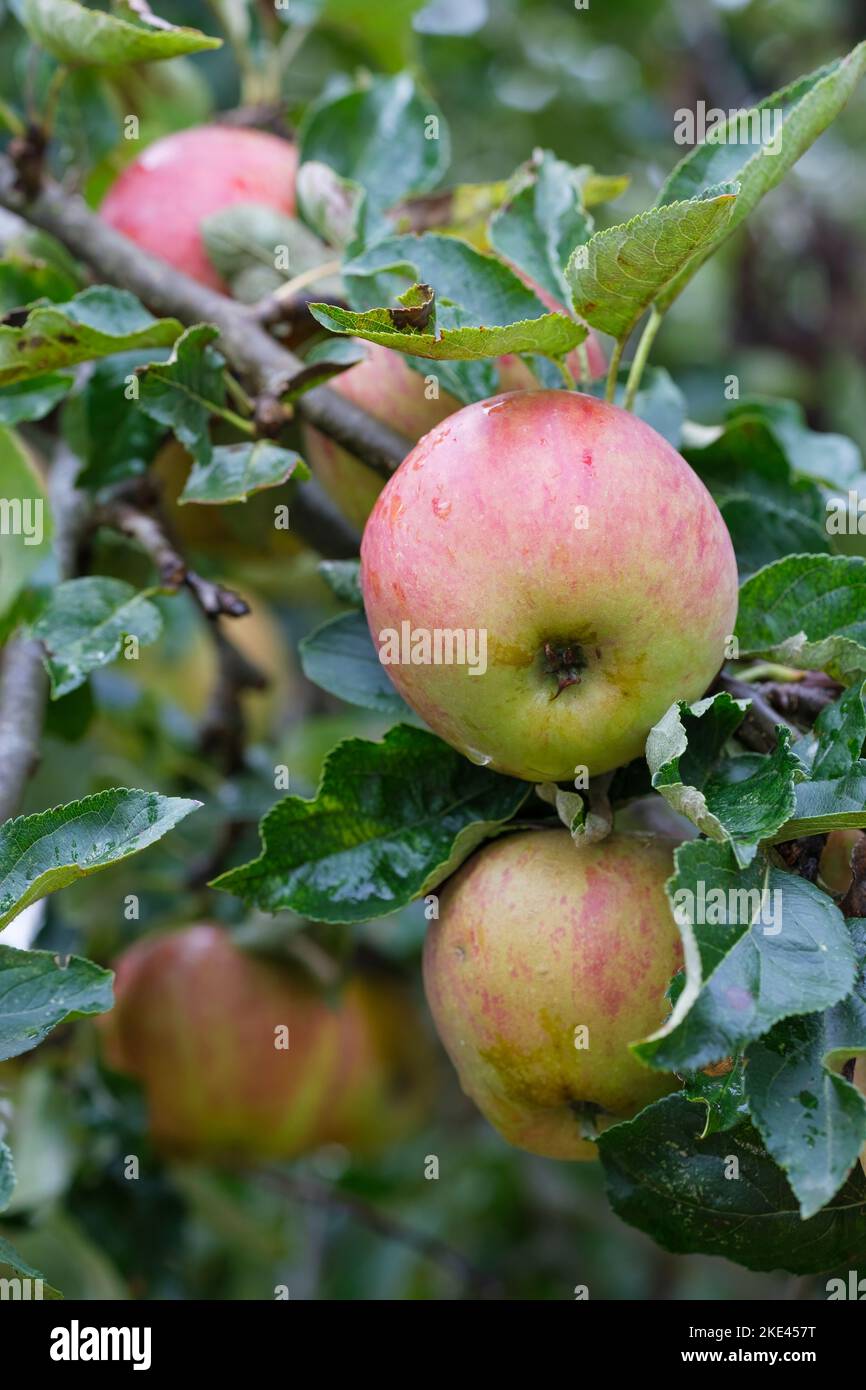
[
  {"x": 25, "y": 277},
  {"x": 723, "y": 1092},
  {"x": 763, "y": 533},
  {"x": 390, "y": 821},
  {"x": 554, "y": 335},
  {"x": 760, "y": 945},
  {"x": 236, "y": 471},
  {"x": 355, "y": 135},
  {"x": 33, "y": 399},
  {"x": 741, "y": 800},
  {"x": 183, "y": 392},
  {"x": 85, "y": 623},
  {"x": 624, "y": 270},
  {"x": 807, "y": 611},
  {"x": 841, "y": 732},
  {"x": 245, "y": 242},
  {"x": 12, "y": 1260},
  {"x": 333, "y": 208},
  {"x": 7, "y": 1176},
  {"x": 39, "y": 990},
  {"x": 96, "y": 323},
  {"x": 542, "y": 222},
  {"x": 344, "y": 577},
  {"x": 74, "y": 34},
  {"x": 832, "y": 459},
  {"x": 26, "y": 515},
  {"x": 811, "y": 1119},
  {"x": 807, "y": 107},
  {"x": 836, "y": 804},
  {"x": 663, "y": 1178},
  {"x": 340, "y": 657},
  {"x": 106, "y": 428},
  {"x": 42, "y": 853}
]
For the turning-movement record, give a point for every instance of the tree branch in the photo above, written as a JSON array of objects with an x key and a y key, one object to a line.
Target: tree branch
[
  {"x": 166, "y": 291},
  {"x": 23, "y": 682},
  {"x": 758, "y": 729}
]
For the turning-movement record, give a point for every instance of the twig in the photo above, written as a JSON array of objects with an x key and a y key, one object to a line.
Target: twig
[
  {"x": 251, "y": 350},
  {"x": 803, "y": 856},
  {"x": 758, "y": 730},
  {"x": 431, "y": 1247}
]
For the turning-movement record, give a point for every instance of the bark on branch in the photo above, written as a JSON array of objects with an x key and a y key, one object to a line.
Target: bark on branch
[{"x": 250, "y": 349}]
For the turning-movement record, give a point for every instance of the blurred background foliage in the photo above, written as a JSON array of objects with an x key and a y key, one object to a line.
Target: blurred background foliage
[{"x": 781, "y": 308}]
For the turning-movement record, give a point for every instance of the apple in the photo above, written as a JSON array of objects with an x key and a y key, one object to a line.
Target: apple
[
  {"x": 546, "y": 962},
  {"x": 579, "y": 560},
  {"x": 161, "y": 198},
  {"x": 835, "y": 864},
  {"x": 199, "y": 1022}
]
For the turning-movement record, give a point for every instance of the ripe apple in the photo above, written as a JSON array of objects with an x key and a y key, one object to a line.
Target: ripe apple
[
  {"x": 545, "y": 963},
  {"x": 198, "y": 1021},
  {"x": 580, "y": 547},
  {"x": 162, "y": 197}
]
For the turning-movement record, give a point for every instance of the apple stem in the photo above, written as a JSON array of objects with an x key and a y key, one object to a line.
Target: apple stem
[
  {"x": 639, "y": 361},
  {"x": 613, "y": 371}
]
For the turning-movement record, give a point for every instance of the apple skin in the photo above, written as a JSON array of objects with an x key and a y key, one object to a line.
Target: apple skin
[
  {"x": 835, "y": 865},
  {"x": 477, "y": 530},
  {"x": 536, "y": 937},
  {"x": 195, "y": 1023},
  {"x": 161, "y": 198}
]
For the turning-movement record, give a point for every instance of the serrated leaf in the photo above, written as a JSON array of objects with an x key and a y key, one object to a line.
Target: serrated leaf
[
  {"x": 623, "y": 270},
  {"x": 93, "y": 324},
  {"x": 841, "y": 732},
  {"x": 340, "y": 657},
  {"x": 355, "y": 134},
  {"x": 554, "y": 335},
  {"x": 740, "y": 801},
  {"x": 236, "y": 471},
  {"x": 84, "y": 625},
  {"x": 663, "y": 1178},
  {"x": 74, "y": 34},
  {"x": 760, "y": 945},
  {"x": 12, "y": 1260},
  {"x": 114, "y": 438},
  {"x": 183, "y": 392},
  {"x": 542, "y": 222},
  {"x": 344, "y": 577},
  {"x": 807, "y": 611},
  {"x": 807, "y": 107},
  {"x": 835, "y": 804},
  {"x": 763, "y": 533},
  {"x": 389, "y": 822},
  {"x": 811, "y": 1119},
  {"x": 39, "y": 990},
  {"x": 42, "y": 853}
]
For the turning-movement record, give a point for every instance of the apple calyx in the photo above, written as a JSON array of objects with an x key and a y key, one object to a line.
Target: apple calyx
[{"x": 565, "y": 660}]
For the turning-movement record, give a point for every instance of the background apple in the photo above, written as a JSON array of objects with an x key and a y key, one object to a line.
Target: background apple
[
  {"x": 535, "y": 939},
  {"x": 161, "y": 198},
  {"x": 835, "y": 865},
  {"x": 195, "y": 1023}
]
